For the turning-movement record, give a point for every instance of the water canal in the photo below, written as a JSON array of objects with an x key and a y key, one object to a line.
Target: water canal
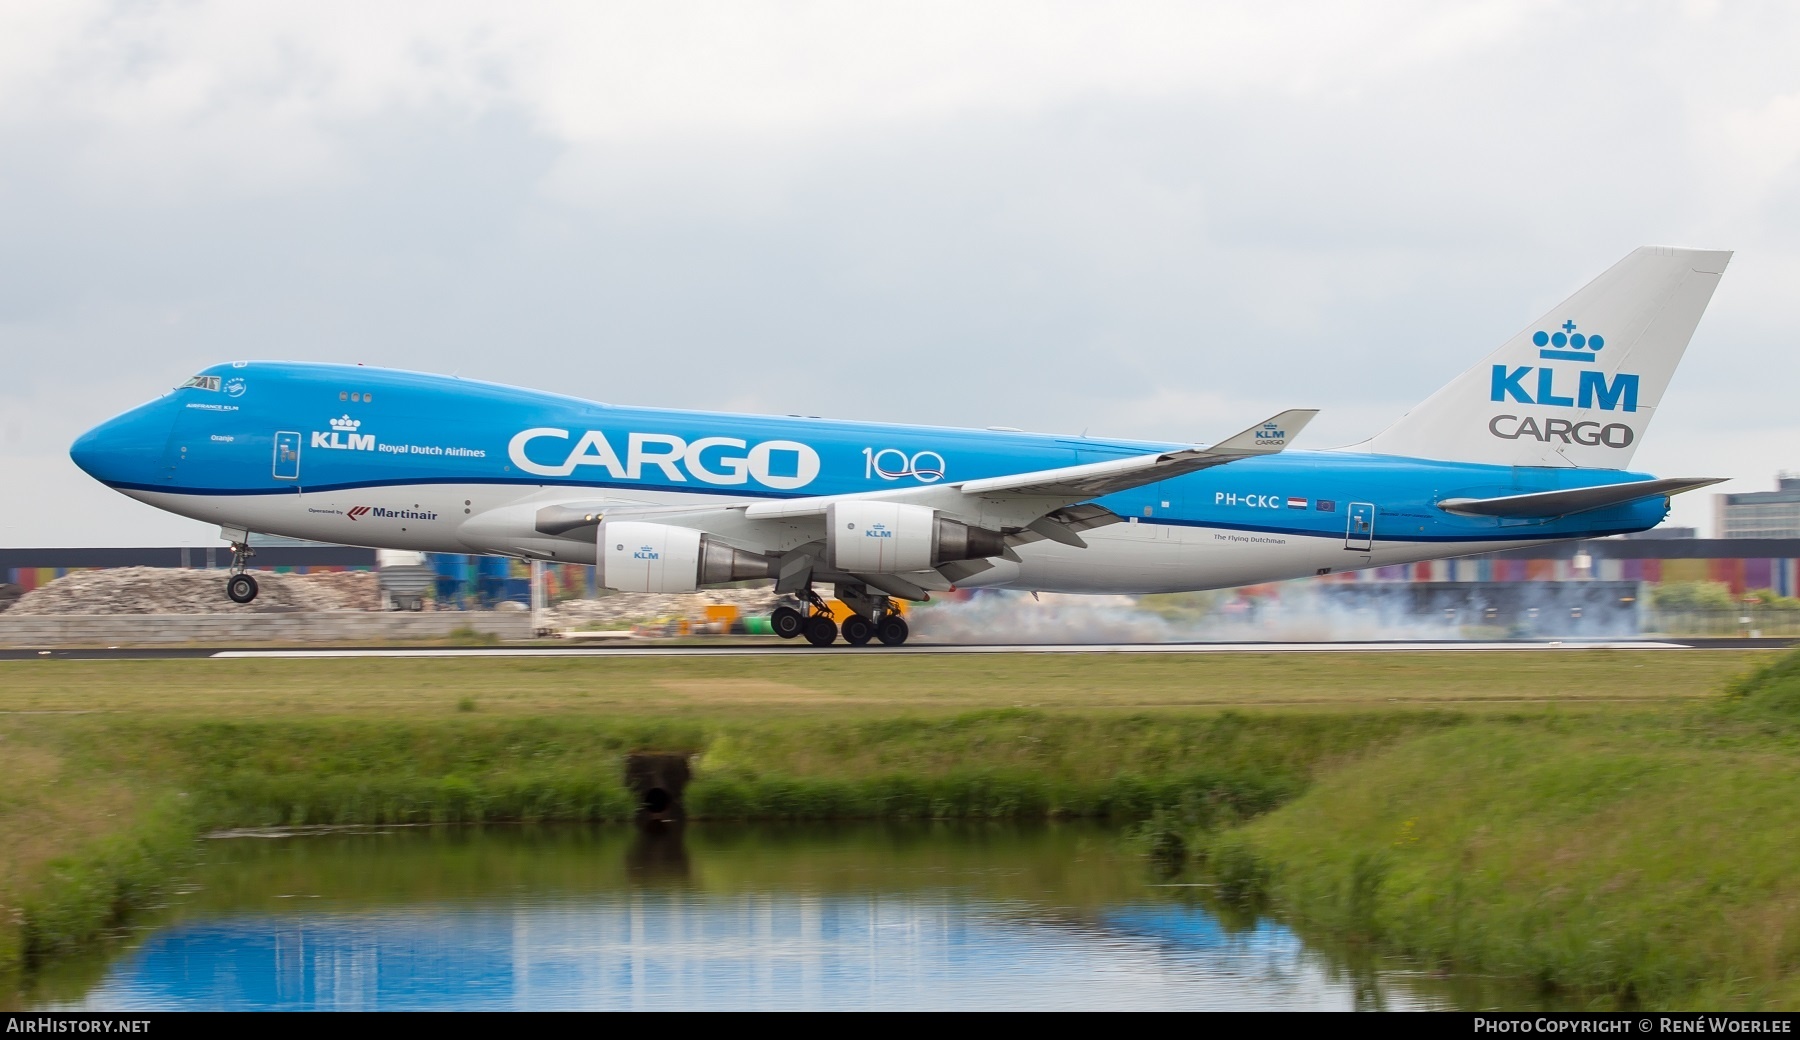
[{"x": 989, "y": 916}]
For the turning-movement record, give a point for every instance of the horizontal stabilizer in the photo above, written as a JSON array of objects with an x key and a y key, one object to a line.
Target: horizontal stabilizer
[{"x": 1575, "y": 500}]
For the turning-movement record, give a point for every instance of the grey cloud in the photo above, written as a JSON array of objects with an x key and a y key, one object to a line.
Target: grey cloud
[{"x": 1169, "y": 264}]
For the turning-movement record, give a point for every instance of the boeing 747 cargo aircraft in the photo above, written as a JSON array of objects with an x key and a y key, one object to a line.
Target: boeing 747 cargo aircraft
[{"x": 1530, "y": 445}]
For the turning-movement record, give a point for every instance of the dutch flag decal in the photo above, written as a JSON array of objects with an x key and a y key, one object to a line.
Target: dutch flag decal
[{"x": 1296, "y": 503}]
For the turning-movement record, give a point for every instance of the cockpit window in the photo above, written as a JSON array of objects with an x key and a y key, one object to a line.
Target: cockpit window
[{"x": 202, "y": 383}]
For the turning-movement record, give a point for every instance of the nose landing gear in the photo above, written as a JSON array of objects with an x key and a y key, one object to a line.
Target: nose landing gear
[{"x": 240, "y": 587}]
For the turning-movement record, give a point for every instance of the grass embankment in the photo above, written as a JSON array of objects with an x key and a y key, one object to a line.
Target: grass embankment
[
  {"x": 1649, "y": 858},
  {"x": 97, "y": 808}
]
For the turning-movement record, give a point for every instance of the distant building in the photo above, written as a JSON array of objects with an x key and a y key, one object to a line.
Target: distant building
[
  {"x": 1760, "y": 514},
  {"x": 1744, "y": 565},
  {"x": 1657, "y": 534},
  {"x": 28, "y": 569}
]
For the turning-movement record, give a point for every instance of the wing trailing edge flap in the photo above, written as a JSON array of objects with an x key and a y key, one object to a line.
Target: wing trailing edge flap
[
  {"x": 913, "y": 585},
  {"x": 1065, "y": 525},
  {"x": 1575, "y": 500}
]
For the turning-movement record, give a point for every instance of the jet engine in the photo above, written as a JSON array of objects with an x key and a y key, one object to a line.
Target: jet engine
[
  {"x": 875, "y": 537},
  {"x": 636, "y": 556}
]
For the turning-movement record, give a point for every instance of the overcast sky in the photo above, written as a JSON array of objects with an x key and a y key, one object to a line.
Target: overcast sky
[{"x": 1158, "y": 220}]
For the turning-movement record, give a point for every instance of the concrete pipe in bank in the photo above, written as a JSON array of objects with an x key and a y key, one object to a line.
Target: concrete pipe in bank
[{"x": 658, "y": 782}]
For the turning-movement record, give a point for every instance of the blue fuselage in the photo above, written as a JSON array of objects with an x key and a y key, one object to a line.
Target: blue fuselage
[{"x": 296, "y": 449}]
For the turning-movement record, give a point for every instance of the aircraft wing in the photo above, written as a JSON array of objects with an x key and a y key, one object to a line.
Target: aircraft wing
[
  {"x": 1040, "y": 492},
  {"x": 1105, "y": 478},
  {"x": 1015, "y": 509}
]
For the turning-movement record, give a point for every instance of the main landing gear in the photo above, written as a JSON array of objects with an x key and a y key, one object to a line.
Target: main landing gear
[
  {"x": 892, "y": 630},
  {"x": 787, "y": 622},
  {"x": 816, "y": 626},
  {"x": 857, "y": 630},
  {"x": 874, "y": 620},
  {"x": 240, "y": 587}
]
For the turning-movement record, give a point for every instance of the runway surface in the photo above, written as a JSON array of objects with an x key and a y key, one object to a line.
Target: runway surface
[{"x": 764, "y": 649}]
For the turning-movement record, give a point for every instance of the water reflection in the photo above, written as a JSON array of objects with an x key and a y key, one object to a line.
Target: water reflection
[
  {"x": 658, "y": 855},
  {"x": 708, "y": 917}
]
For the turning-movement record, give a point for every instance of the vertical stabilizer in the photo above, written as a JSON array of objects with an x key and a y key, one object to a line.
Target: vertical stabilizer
[{"x": 1579, "y": 386}]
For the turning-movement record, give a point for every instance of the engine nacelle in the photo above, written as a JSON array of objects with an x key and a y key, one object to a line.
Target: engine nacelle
[
  {"x": 874, "y": 537},
  {"x": 636, "y": 556}
]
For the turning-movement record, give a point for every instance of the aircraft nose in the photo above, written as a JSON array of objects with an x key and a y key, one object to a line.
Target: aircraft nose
[{"x": 126, "y": 448}]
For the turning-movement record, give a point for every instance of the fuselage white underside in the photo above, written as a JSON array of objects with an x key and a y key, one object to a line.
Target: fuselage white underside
[{"x": 1139, "y": 556}]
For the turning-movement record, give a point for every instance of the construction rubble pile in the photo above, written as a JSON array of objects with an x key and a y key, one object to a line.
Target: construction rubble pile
[
  {"x": 173, "y": 590},
  {"x": 619, "y": 611}
]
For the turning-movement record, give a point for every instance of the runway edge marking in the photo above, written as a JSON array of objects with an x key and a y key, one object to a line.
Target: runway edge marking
[{"x": 1087, "y": 648}]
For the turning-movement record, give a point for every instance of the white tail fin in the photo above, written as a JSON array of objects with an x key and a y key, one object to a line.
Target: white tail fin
[{"x": 1580, "y": 385}]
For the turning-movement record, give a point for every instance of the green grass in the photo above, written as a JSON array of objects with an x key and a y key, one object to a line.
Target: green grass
[
  {"x": 191, "y": 775},
  {"x": 869, "y": 683},
  {"x": 1648, "y": 858},
  {"x": 1605, "y": 823},
  {"x": 991, "y": 763},
  {"x": 79, "y": 897}
]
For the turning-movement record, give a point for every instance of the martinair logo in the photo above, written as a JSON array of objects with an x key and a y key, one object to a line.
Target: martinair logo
[
  {"x": 1591, "y": 390},
  {"x": 383, "y": 513},
  {"x": 343, "y": 436}
]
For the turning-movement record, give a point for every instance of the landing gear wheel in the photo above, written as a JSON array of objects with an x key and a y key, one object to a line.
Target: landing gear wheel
[
  {"x": 241, "y": 588},
  {"x": 821, "y": 630},
  {"x": 892, "y": 631},
  {"x": 787, "y": 622},
  {"x": 858, "y": 630}
]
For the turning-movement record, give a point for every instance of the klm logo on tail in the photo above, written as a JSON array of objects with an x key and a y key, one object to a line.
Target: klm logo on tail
[
  {"x": 1580, "y": 385},
  {"x": 1568, "y": 337},
  {"x": 1620, "y": 394},
  {"x": 1590, "y": 389}
]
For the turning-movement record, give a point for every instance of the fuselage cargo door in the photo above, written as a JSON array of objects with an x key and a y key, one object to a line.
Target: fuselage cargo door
[
  {"x": 182, "y": 431},
  {"x": 174, "y": 454},
  {"x": 287, "y": 455},
  {"x": 1359, "y": 530}
]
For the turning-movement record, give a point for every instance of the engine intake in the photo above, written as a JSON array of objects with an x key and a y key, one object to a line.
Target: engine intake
[
  {"x": 636, "y": 556},
  {"x": 874, "y": 537}
]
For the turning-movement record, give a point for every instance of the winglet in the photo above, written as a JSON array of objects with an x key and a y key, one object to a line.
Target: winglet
[{"x": 1266, "y": 438}]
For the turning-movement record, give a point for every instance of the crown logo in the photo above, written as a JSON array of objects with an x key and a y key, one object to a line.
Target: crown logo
[
  {"x": 1567, "y": 345},
  {"x": 346, "y": 424}
]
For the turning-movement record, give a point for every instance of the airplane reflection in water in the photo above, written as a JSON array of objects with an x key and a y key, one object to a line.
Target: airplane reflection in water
[{"x": 897, "y": 918}]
